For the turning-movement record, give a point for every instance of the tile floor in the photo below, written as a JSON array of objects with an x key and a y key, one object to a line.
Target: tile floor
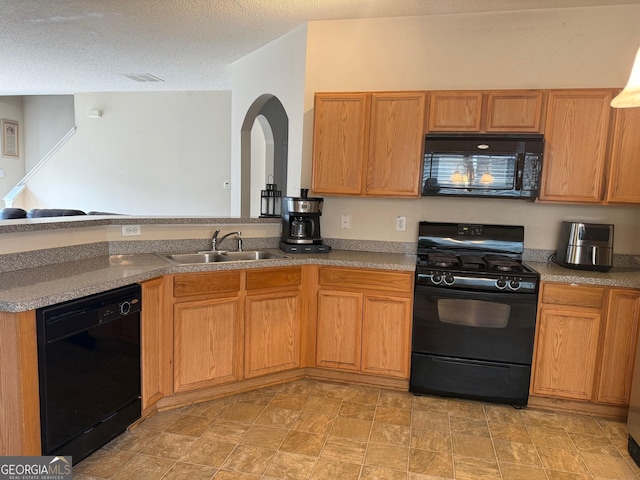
[{"x": 318, "y": 430}]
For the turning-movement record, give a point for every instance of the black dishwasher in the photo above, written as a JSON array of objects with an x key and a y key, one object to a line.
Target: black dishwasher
[{"x": 89, "y": 370}]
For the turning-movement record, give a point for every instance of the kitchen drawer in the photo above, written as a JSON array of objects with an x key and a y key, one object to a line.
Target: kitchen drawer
[
  {"x": 273, "y": 278},
  {"x": 367, "y": 279},
  {"x": 572, "y": 295},
  {"x": 206, "y": 283}
]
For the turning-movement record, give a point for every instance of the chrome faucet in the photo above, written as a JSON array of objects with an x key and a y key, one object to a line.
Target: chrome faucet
[{"x": 215, "y": 241}]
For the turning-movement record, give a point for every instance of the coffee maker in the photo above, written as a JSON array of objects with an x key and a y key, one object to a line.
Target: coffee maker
[{"x": 301, "y": 224}]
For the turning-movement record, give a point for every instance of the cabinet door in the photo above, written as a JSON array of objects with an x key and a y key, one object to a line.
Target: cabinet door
[
  {"x": 272, "y": 333},
  {"x": 156, "y": 344},
  {"x": 619, "y": 346},
  {"x": 455, "y": 111},
  {"x": 565, "y": 353},
  {"x": 339, "y": 143},
  {"x": 339, "y": 330},
  {"x": 576, "y": 136},
  {"x": 624, "y": 174},
  {"x": 396, "y": 139},
  {"x": 206, "y": 343},
  {"x": 514, "y": 111},
  {"x": 386, "y": 336}
]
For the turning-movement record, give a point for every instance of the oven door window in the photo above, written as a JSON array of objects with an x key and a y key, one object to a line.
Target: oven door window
[
  {"x": 473, "y": 313},
  {"x": 487, "y": 326}
]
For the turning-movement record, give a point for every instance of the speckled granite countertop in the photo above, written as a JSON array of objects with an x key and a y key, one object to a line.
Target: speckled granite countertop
[
  {"x": 36, "y": 287},
  {"x": 616, "y": 277}
]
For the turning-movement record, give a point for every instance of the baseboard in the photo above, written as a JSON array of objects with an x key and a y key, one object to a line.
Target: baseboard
[
  {"x": 357, "y": 378},
  {"x": 613, "y": 412},
  {"x": 576, "y": 407},
  {"x": 187, "y": 398}
]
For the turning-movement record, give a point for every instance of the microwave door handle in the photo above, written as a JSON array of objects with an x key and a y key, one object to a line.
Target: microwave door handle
[
  {"x": 519, "y": 170},
  {"x": 594, "y": 255}
]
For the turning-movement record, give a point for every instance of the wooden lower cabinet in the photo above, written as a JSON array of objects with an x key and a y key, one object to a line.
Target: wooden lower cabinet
[
  {"x": 339, "y": 330},
  {"x": 206, "y": 343},
  {"x": 585, "y": 343},
  {"x": 619, "y": 346},
  {"x": 207, "y": 330},
  {"x": 272, "y": 339},
  {"x": 566, "y": 353},
  {"x": 273, "y": 316},
  {"x": 386, "y": 336},
  {"x": 235, "y": 325},
  {"x": 19, "y": 397},
  {"x": 364, "y": 321},
  {"x": 156, "y": 345}
]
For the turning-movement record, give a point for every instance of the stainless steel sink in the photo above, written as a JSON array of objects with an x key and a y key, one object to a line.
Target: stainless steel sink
[
  {"x": 223, "y": 256},
  {"x": 254, "y": 255},
  {"x": 186, "y": 258}
]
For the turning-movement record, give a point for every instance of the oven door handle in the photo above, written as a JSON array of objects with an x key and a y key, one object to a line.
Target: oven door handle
[{"x": 496, "y": 297}]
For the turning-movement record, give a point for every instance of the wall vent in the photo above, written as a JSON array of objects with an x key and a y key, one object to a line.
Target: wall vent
[{"x": 142, "y": 77}]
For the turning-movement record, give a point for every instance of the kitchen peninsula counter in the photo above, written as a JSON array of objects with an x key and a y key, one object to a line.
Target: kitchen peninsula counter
[{"x": 31, "y": 288}]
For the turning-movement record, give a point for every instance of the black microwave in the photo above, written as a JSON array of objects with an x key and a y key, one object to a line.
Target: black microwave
[{"x": 483, "y": 165}]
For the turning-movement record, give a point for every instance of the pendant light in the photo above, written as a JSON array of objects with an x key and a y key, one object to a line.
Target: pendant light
[{"x": 630, "y": 95}]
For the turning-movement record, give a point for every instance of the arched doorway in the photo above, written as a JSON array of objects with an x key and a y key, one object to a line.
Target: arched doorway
[{"x": 266, "y": 121}]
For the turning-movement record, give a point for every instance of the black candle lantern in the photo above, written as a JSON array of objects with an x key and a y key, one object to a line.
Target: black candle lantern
[{"x": 270, "y": 201}]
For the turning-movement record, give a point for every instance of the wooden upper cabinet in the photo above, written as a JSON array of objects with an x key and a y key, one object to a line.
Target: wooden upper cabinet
[
  {"x": 396, "y": 138},
  {"x": 339, "y": 143},
  {"x": 517, "y": 111},
  {"x": 455, "y": 111},
  {"x": 368, "y": 143},
  {"x": 624, "y": 175},
  {"x": 576, "y": 135}
]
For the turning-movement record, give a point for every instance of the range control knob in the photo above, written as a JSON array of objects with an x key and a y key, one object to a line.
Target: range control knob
[
  {"x": 436, "y": 278},
  {"x": 125, "y": 307},
  {"x": 501, "y": 283},
  {"x": 514, "y": 284},
  {"x": 448, "y": 279}
]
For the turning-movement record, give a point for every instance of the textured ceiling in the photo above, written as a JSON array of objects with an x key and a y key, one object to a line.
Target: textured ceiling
[{"x": 67, "y": 46}]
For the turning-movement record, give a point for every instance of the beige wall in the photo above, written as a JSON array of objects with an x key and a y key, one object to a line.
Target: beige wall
[
  {"x": 559, "y": 48},
  {"x": 11, "y": 108},
  {"x": 151, "y": 153},
  {"x": 277, "y": 69}
]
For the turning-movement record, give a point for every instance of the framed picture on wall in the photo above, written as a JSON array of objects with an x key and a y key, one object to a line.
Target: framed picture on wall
[{"x": 10, "y": 139}]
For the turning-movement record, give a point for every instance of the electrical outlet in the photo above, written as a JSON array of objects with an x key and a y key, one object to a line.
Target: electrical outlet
[
  {"x": 131, "y": 230},
  {"x": 345, "y": 221},
  {"x": 401, "y": 224}
]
